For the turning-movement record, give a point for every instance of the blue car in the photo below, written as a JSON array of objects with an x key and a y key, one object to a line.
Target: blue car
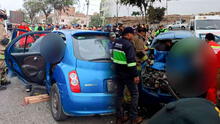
[
  {"x": 80, "y": 84},
  {"x": 153, "y": 92}
]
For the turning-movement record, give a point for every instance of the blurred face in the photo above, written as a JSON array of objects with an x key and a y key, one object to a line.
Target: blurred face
[
  {"x": 130, "y": 36},
  {"x": 112, "y": 38},
  {"x": 1, "y": 19},
  {"x": 121, "y": 28},
  {"x": 143, "y": 33},
  {"x": 108, "y": 28}
]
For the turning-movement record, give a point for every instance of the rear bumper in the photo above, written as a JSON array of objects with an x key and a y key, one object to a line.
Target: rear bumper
[{"x": 86, "y": 104}]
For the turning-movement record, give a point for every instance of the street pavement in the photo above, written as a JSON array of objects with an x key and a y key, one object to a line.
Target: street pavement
[{"x": 12, "y": 110}]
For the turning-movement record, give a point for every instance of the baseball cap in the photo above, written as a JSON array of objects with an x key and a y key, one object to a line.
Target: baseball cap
[
  {"x": 128, "y": 30},
  {"x": 112, "y": 34}
]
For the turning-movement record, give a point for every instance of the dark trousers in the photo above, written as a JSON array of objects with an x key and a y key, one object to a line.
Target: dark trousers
[{"x": 133, "y": 89}]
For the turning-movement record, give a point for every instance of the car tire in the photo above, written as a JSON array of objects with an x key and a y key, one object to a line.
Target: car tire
[
  {"x": 170, "y": 28},
  {"x": 183, "y": 28},
  {"x": 55, "y": 104}
]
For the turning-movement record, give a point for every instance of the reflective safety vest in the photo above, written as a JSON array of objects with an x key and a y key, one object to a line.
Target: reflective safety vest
[
  {"x": 218, "y": 110},
  {"x": 215, "y": 46},
  {"x": 211, "y": 94},
  {"x": 119, "y": 57},
  {"x": 161, "y": 31},
  {"x": 123, "y": 56},
  {"x": 2, "y": 56}
]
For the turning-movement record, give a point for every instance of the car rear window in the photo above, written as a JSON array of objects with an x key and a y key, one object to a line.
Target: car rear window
[{"x": 91, "y": 47}]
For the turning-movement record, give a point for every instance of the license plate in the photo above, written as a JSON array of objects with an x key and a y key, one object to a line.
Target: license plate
[{"x": 111, "y": 86}]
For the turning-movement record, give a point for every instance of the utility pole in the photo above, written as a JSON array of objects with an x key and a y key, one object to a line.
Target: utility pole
[
  {"x": 117, "y": 3},
  {"x": 87, "y": 3},
  {"x": 87, "y": 13},
  {"x": 166, "y": 7}
]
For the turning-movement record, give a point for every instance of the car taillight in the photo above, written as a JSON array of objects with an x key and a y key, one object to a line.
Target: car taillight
[{"x": 74, "y": 82}]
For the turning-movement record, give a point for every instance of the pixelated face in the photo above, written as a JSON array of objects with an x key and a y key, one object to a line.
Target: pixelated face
[
  {"x": 143, "y": 33},
  {"x": 130, "y": 36},
  {"x": 191, "y": 67}
]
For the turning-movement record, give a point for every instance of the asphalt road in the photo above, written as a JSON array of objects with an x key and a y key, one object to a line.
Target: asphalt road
[{"x": 12, "y": 110}]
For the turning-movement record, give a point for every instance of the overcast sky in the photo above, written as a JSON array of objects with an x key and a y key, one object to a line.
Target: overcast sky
[{"x": 175, "y": 7}]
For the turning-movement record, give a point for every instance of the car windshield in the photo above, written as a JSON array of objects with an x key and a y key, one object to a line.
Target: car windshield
[
  {"x": 92, "y": 47},
  {"x": 208, "y": 24}
]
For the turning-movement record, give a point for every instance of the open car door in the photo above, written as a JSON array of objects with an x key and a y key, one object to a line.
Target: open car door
[
  {"x": 17, "y": 33},
  {"x": 24, "y": 58}
]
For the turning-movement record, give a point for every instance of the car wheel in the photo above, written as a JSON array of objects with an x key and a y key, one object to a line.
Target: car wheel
[
  {"x": 170, "y": 28},
  {"x": 183, "y": 27},
  {"x": 55, "y": 104}
]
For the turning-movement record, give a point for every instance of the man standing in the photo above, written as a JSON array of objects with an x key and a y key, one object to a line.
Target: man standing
[
  {"x": 121, "y": 29},
  {"x": 139, "y": 42},
  {"x": 210, "y": 39},
  {"x": 3, "y": 42},
  {"x": 49, "y": 28},
  {"x": 126, "y": 75}
]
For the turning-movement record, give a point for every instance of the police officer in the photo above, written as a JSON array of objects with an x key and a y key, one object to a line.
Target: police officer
[
  {"x": 3, "y": 42},
  {"x": 126, "y": 75},
  {"x": 161, "y": 30}
]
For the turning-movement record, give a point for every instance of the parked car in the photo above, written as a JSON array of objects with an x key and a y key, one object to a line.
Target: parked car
[
  {"x": 80, "y": 83},
  {"x": 177, "y": 25},
  {"x": 154, "y": 91}
]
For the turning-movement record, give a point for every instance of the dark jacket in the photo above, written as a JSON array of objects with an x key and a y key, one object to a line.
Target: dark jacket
[
  {"x": 188, "y": 111},
  {"x": 124, "y": 59}
]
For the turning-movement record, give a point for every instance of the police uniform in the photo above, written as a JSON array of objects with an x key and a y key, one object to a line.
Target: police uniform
[
  {"x": 188, "y": 111},
  {"x": 160, "y": 31},
  {"x": 125, "y": 67}
]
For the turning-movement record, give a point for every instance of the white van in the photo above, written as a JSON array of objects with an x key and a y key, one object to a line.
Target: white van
[{"x": 206, "y": 24}]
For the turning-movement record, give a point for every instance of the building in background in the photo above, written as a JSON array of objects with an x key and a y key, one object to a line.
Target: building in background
[
  {"x": 108, "y": 8},
  {"x": 16, "y": 17},
  {"x": 67, "y": 17}
]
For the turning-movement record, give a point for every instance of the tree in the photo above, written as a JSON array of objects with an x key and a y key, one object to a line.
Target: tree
[
  {"x": 62, "y": 4},
  {"x": 136, "y": 13},
  {"x": 96, "y": 20},
  {"x": 46, "y": 7},
  {"x": 156, "y": 14},
  {"x": 141, "y": 4},
  {"x": 31, "y": 8}
]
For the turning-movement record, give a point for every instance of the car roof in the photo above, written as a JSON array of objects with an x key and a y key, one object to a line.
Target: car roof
[
  {"x": 174, "y": 35},
  {"x": 72, "y": 32}
]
